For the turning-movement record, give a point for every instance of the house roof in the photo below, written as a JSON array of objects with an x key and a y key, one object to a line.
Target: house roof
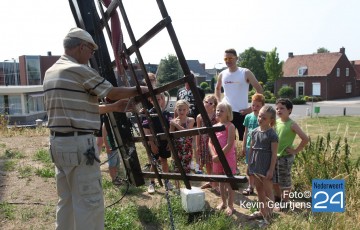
[
  {"x": 196, "y": 67},
  {"x": 319, "y": 64}
]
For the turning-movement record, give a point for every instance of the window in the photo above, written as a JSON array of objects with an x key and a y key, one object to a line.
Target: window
[
  {"x": 14, "y": 105},
  {"x": 347, "y": 72},
  {"x": 348, "y": 87},
  {"x": 338, "y": 72},
  {"x": 316, "y": 89},
  {"x": 35, "y": 103},
  {"x": 2, "y": 104},
  {"x": 33, "y": 70},
  {"x": 302, "y": 71}
]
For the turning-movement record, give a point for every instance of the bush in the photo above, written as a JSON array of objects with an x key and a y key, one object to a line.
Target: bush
[
  {"x": 298, "y": 101},
  {"x": 286, "y": 92},
  {"x": 204, "y": 85}
]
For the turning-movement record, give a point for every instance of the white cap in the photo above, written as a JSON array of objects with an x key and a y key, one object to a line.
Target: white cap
[{"x": 83, "y": 35}]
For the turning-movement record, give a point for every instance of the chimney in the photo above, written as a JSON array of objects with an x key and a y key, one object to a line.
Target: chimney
[
  {"x": 291, "y": 55},
  {"x": 203, "y": 65},
  {"x": 342, "y": 50},
  {"x": 49, "y": 53},
  {"x": 352, "y": 63}
]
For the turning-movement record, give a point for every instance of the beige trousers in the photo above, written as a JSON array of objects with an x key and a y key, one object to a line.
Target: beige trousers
[{"x": 81, "y": 202}]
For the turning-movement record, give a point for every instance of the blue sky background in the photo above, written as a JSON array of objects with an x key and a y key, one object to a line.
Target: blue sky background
[{"x": 204, "y": 28}]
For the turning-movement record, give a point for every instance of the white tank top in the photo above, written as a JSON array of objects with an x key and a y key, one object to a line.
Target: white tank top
[{"x": 236, "y": 89}]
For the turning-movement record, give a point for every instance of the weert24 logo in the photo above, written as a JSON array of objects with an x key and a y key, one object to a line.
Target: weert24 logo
[{"x": 328, "y": 195}]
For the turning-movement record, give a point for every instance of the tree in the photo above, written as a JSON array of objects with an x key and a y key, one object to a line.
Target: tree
[
  {"x": 286, "y": 92},
  {"x": 254, "y": 60},
  {"x": 204, "y": 85},
  {"x": 169, "y": 70},
  {"x": 273, "y": 68},
  {"x": 322, "y": 50}
]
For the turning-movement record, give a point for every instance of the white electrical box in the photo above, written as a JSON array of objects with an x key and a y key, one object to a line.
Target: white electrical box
[{"x": 192, "y": 200}]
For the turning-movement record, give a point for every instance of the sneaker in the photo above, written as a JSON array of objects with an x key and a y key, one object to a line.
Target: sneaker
[
  {"x": 117, "y": 181},
  {"x": 151, "y": 188},
  {"x": 169, "y": 186},
  {"x": 198, "y": 172}
]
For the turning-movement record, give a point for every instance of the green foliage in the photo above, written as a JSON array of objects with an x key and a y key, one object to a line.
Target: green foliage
[
  {"x": 322, "y": 50},
  {"x": 212, "y": 86},
  {"x": 25, "y": 171},
  {"x": 325, "y": 159},
  {"x": 204, "y": 85},
  {"x": 11, "y": 154},
  {"x": 273, "y": 68},
  {"x": 43, "y": 156},
  {"x": 9, "y": 165},
  {"x": 45, "y": 172},
  {"x": 6, "y": 211},
  {"x": 124, "y": 217},
  {"x": 255, "y": 61},
  {"x": 298, "y": 101},
  {"x": 169, "y": 70},
  {"x": 286, "y": 92},
  {"x": 3, "y": 123}
]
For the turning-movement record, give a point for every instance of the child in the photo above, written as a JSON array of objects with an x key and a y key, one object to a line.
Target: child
[
  {"x": 250, "y": 123},
  {"x": 262, "y": 159},
  {"x": 286, "y": 129},
  {"x": 183, "y": 144},
  {"x": 112, "y": 154},
  {"x": 159, "y": 152},
  {"x": 202, "y": 141},
  {"x": 226, "y": 139}
]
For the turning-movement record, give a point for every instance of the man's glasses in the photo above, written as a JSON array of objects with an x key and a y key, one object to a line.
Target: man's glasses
[
  {"x": 228, "y": 59},
  {"x": 210, "y": 103},
  {"x": 88, "y": 46}
]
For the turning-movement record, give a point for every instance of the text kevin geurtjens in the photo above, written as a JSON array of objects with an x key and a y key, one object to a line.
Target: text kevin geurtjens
[{"x": 272, "y": 204}]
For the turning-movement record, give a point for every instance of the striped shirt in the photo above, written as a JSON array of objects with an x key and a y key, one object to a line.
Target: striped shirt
[{"x": 71, "y": 96}]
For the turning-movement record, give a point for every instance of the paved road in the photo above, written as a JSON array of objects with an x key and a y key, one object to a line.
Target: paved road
[{"x": 328, "y": 108}]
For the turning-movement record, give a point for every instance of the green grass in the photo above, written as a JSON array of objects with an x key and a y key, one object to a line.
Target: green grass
[
  {"x": 338, "y": 127},
  {"x": 25, "y": 171},
  {"x": 45, "y": 172},
  {"x": 43, "y": 156},
  {"x": 343, "y": 148},
  {"x": 13, "y": 154},
  {"x": 7, "y": 211},
  {"x": 9, "y": 165}
]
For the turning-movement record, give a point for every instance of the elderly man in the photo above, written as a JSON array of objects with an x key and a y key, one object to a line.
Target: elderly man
[{"x": 72, "y": 90}]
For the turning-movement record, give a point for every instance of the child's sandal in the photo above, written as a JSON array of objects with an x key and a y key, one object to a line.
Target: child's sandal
[{"x": 248, "y": 191}]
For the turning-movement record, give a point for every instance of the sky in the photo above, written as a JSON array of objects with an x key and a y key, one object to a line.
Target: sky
[{"x": 204, "y": 28}]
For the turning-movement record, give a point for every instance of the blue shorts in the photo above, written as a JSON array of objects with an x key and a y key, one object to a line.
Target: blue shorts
[{"x": 113, "y": 158}]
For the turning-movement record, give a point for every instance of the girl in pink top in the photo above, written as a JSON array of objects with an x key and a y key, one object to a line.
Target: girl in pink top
[{"x": 226, "y": 139}]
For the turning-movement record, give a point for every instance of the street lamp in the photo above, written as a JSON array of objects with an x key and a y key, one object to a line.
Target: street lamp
[{"x": 216, "y": 69}]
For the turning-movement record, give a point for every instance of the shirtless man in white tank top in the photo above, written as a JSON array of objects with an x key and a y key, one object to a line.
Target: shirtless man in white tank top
[{"x": 235, "y": 81}]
